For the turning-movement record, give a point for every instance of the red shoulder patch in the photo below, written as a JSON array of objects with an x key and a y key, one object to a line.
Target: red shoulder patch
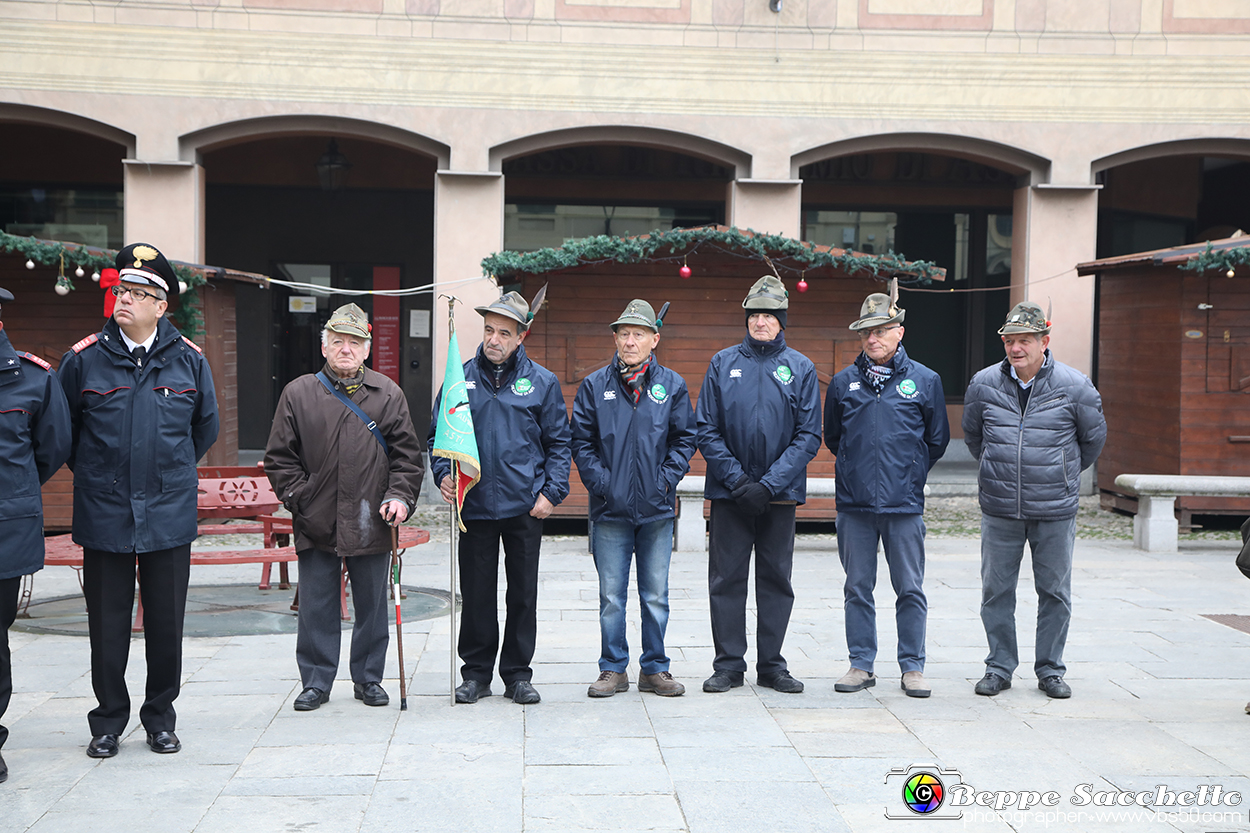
[
  {"x": 33, "y": 358},
  {"x": 85, "y": 343},
  {"x": 194, "y": 346}
]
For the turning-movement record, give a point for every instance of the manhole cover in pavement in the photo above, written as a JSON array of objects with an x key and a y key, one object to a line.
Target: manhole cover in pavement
[
  {"x": 1233, "y": 620},
  {"x": 225, "y": 610}
]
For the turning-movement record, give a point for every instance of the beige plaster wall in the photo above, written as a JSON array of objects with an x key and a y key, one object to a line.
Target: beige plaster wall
[{"x": 1049, "y": 86}]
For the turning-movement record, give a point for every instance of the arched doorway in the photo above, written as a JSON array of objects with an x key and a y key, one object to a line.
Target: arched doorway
[
  {"x": 554, "y": 195},
  {"x": 334, "y": 210},
  {"x": 61, "y": 177},
  {"x": 1167, "y": 195},
  {"x": 949, "y": 209}
]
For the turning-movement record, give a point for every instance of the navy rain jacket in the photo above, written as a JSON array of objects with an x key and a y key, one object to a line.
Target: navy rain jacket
[
  {"x": 34, "y": 442},
  {"x": 1031, "y": 462},
  {"x": 522, "y": 433},
  {"x": 885, "y": 443},
  {"x": 631, "y": 456},
  {"x": 138, "y": 433},
  {"x": 759, "y": 415}
]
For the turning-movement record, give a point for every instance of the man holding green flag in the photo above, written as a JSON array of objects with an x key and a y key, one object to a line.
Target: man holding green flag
[{"x": 519, "y": 423}]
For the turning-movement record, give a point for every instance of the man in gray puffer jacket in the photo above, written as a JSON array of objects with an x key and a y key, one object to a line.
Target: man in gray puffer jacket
[{"x": 1034, "y": 424}]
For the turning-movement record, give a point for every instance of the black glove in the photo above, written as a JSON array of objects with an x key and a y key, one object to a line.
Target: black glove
[{"x": 752, "y": 498}]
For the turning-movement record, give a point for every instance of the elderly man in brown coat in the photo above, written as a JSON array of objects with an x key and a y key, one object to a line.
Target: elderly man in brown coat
[{"x": 344, "y": 458}]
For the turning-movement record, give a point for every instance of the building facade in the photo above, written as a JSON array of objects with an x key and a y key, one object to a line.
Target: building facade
[{"x": 382, "y": 143}]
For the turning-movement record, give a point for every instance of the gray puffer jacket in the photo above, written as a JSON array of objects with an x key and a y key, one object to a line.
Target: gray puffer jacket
[{"x": 1031, "y": 462}]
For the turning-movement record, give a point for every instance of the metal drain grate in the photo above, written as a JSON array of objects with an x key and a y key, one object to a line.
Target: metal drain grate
[{"x": 1233, "y": 620}]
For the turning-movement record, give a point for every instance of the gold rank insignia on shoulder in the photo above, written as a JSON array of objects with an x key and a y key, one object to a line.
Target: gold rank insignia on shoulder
[{"x": 143, "y": 253}]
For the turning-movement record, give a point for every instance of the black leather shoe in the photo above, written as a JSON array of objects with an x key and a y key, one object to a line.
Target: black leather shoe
[
  {"x": 781, "y": 681},
  {"x": 102, "y": 746},
  {"x": 1055, "y": 687},
  {"x": 164, "y": 743},
  {"x": 311, "y": 698},
  {"x": 991, "y": 684},
  {"x": 372, "y": 694},
  {"x": 521, "y": 692},
  {"x": 4, "y": 770},
  {"x": 470, "y": 691},
  {"x": 723, "y": 681}
]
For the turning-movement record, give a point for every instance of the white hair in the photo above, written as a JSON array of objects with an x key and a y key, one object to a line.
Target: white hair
[{"x": 325, "y": 338}]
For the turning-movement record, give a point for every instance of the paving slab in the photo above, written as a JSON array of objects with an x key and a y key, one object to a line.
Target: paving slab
[{"x": 1158, "y": 699}]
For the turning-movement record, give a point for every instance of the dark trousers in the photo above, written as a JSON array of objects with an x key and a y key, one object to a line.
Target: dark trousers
[
  {"x": 479, "y": 589},
  {"x": 108, "y": 582},
  {"x": 732, "y": 537},
  {"x": 321, "y": 630},
  {"x": 9, "y": 588}
]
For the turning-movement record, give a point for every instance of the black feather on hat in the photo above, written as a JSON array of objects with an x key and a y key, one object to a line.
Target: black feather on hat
[{"x": 142, "y": 263}]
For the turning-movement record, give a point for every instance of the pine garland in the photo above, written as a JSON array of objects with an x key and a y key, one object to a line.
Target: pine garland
[
  {"x": 187, "y": 317},
  {"x": 1223, "y": 260},
  {"x": 789, "y": 255}
]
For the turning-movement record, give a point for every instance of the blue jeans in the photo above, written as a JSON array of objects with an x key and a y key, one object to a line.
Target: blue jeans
[
  {"x": 903, "y": 540},
  {"x": 616, "y": 545},
  {"x": 1002, "y": 549}
]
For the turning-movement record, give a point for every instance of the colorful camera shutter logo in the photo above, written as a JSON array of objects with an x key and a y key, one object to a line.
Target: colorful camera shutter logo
[{"x": 923, "y": 793}]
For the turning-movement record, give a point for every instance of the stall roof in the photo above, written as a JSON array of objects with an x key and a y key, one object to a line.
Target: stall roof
[
  {"x": 16, "y": 245},
  {"x": 787, "y": 253},
  {"x": 1164, "y": 257}
]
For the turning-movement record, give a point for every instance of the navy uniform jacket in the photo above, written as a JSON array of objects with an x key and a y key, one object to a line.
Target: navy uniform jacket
[
  {"x": 887, "y": 442},
  {"x": 759, "y": 416},
  {"x": 522, "y": 433},
  {"x": 630, "y": 456},
  {"x": 34, "y": 442},
  {"x": 138, "y": 433}
]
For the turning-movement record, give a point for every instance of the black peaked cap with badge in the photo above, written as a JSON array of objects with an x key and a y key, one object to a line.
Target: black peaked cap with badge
[{"x": 142, "y": 263}]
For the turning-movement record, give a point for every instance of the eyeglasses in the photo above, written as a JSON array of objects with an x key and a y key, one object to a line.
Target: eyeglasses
[
  {"x": 134, "y": 292},
  {"x": 877, "y": 333}
]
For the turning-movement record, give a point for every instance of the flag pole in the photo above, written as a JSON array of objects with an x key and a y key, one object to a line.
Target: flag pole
[
  {"x": 399, "y": 622},
  {"x": 453, "y": 534},
  {"x": 455, "y": 440},
  {"x": 452, "y": 529}
]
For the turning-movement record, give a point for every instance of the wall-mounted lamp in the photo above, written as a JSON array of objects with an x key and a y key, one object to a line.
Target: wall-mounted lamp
[
  {"x": 774, "y": 6},
  {"x": 332, "y": 168}
]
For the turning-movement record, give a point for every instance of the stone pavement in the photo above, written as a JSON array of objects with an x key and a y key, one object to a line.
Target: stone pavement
[{"x": 1158, "y": 699}]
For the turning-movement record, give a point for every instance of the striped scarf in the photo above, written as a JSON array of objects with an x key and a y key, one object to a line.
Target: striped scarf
[{"x": 633, "y": 378}]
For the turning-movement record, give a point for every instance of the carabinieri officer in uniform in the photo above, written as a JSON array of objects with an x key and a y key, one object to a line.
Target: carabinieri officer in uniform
[
  {"x": 144, "y": 411},
  {"x": 34, "y": 442}
]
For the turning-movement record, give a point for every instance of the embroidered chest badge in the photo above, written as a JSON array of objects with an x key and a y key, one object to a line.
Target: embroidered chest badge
[
  {"x": 657, "y": 394},
  {"x": 522, "y": 387},
  {"x": 907, "y": 389},
  {"x": 783, "y": 374}
]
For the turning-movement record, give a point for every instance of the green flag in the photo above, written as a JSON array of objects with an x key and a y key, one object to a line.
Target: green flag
[{"x": 454, "y": 438}]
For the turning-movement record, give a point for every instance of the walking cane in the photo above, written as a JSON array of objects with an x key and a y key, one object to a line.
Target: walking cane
[{"x": 399, "y": 622}]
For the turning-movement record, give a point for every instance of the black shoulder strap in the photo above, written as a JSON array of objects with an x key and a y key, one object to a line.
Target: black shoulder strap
[{"x": 355, "y": 409}]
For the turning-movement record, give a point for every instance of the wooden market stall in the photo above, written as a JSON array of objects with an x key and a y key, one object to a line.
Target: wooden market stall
[
  {"x": 592, "y": 280},
  {"x": 1174, "y": 368},
  {"x": 45, "y": 323}
]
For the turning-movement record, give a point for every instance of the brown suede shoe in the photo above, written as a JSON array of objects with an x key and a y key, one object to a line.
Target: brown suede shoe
[
  {"x": 857, "y": 679},
  {"x": 609, "y": 683},
  {"x": 661, "y": 683}
]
